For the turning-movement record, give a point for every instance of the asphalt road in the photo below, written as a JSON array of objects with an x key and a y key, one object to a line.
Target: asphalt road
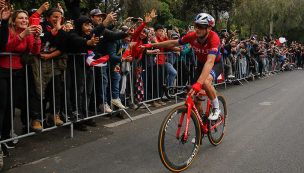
[{"x": 264, "y": 134}]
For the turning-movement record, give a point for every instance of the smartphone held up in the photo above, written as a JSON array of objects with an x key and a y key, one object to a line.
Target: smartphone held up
[{"x": 35, "y": 21}]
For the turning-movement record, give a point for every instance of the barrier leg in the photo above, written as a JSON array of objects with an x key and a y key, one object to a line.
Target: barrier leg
[{"x": 72, "y": 130}]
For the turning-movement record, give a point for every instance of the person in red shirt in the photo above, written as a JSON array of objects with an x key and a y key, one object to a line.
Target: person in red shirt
[
  {"x": 22, "y": 38},
  {"x": 206, "y": 45}
]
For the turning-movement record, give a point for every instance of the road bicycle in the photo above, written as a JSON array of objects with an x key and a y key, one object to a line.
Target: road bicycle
[{"x": 183, "y": 129}]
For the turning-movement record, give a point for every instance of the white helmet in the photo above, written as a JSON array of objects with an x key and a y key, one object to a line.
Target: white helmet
[{"x": 205, "y": 19}]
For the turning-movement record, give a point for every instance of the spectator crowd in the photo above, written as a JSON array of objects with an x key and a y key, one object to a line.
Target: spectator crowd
[{"x": 67, "y": 70}]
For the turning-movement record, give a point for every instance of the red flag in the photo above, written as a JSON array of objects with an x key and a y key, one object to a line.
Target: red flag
[{"x": 278, "y": 43}]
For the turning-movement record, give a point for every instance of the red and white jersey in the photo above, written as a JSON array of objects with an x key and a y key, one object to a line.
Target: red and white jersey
[{"x": 212, "y": 46}]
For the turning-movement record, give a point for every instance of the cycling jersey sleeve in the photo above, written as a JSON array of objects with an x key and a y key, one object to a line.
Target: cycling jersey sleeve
[
  {"x": 186, "y": 39},
  {"x": 214, "y": 46}
]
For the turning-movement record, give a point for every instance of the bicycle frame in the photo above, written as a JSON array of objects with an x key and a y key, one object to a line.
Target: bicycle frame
[{"x": 191, "y": 106}]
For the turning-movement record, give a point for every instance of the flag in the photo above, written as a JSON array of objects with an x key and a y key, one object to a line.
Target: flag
[
  {"x": 278, "y": 43},
  {"x": 188, "y": 28},
  {"x": 281, "y": 40},
  {"x": 101, "y": 62},
  {"x": 220, "y": 78}
]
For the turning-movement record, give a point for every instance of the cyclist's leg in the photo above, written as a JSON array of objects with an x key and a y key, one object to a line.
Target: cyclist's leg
[
  {"x": 197, "y": 73},
  {"x": 210, "y": 91}
]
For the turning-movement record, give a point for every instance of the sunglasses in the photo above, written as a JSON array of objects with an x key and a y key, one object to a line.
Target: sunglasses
[{"x": 199, "y": 26}]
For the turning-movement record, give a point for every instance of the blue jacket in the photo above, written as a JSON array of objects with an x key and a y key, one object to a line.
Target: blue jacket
[{"x": 112, "y": 50}]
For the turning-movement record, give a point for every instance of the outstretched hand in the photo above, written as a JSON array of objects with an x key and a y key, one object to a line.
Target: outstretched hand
[
  {"x": 131, "y": 30},
  {"x": 148, "y": 18},
  {"x": 7, "y": 13},
  {"x": 94, "y": 40},
  {"x": 128, "y": 58},
  {"x": 111, "y": 16},
  {"x": 60, "y": 8},
  {"x": 131, "y": 45},
  {"x": 38, "y": 31},
  {"x": 2, "y": 4},
  {"x": 152, "y": 15},
  {"x": 44, "y": 7}
]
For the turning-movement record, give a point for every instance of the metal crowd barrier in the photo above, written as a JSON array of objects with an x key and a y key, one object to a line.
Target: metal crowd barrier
[
  {"x": 73, "y": 75},
  {"x": 96, "y": 73},
  {"x": 271, "y": 65}
]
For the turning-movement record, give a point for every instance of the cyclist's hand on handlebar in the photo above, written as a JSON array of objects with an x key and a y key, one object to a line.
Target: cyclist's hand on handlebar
[{"x": 196, "y": 88}]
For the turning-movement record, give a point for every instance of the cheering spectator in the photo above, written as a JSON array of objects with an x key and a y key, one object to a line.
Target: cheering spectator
[
  {"x": 105, "y": 35},
  {"x": 115, "y": 51},
  {"x": 169, "y": 69},
  {"x": 53, "y": 49},
  {"x": 81, "y": 40},
  {"x": 21, "y": 38},
  {"x": 141, "y": 37},
  {"x": 158, "y": 71}
]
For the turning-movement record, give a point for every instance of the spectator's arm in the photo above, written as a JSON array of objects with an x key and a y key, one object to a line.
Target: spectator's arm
[
  {"x": 110, "y": 27},
  {"x": 138, "y": 31},
  {"x": 76, "y": 42},
  {"x": 13, "y": 43},
  {"x": 126, "y": 53},
  {"x": 98, "y": 30},
  {"x": 44, "y": 7},
  {"x": 35, "y": 15},
  {"x": 112, "y": 36},
  {"x": 33, "y": 46},
  {"x": 110, "y": 17},
  {"x": 229, "y": 38},
  {"x": 4, "y": 32}
]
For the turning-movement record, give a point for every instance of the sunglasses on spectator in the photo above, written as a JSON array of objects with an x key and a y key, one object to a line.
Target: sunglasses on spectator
[{"x": 199, "y": 26}]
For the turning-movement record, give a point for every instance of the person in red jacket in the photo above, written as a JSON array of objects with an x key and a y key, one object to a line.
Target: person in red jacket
[
  {"x": 22, "y": 38},
  {"x": 140, "y": 37}
]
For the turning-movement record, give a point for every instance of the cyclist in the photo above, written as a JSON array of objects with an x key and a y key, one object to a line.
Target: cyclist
[{"x": 206, "y": 45}]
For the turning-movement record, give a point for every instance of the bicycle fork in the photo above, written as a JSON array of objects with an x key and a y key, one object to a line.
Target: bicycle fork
[{"x": 185, "y": 135}]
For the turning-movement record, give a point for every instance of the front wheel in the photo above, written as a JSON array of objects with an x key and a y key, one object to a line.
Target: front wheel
[
  {"x": 175, "y": 152},
  {"x": 217, "y": 128}
]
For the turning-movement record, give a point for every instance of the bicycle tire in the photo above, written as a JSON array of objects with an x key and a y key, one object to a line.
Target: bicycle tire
[
  {"x": 175, "y": 158},
  {"x": 216, "y": 135}
]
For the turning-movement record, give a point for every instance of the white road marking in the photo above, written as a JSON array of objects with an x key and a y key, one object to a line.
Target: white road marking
[
  {"x": 38, "y": 161},
  {"x": 266, "y": 103}
]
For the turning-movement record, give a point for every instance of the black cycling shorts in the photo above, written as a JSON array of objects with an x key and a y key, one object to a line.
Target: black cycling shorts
[{"x": 215, "y": 72}]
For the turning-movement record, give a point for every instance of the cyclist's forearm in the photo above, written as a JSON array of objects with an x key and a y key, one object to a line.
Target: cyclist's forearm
[{"x": 166, "y": 44}]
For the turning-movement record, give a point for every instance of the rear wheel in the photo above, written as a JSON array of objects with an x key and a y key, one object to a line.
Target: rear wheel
[
  {"x": 217, "y": 128},
  {"x": 176, "y": 153}
]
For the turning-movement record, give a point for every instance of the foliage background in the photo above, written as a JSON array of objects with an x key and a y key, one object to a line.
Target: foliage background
[{"x": 248, "y": 16}]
